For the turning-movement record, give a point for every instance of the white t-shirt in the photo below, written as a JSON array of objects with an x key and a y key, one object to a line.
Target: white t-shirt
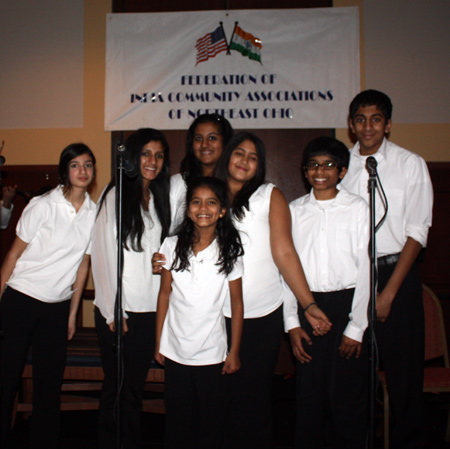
[
  {"x": 332, "y": 239},
  {"x": 58, "y": 238},
  {"x": 194, "y": 329},
  {"x": 140, "y": 286},
  {"x": 407, "y": 184},
  {"x": 261, "y": 283}
]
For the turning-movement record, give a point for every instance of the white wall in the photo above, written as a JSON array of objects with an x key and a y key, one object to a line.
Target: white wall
[
  {"x": 407, "y": 55},
  {"x": 41, "y": 58}
]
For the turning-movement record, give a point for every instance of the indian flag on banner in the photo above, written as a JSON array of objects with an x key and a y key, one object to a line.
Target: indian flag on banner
[{"x": 246, "y": 43}]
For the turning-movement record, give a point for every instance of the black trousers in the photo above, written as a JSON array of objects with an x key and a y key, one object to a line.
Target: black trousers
[
  {"x": 401, "y": 346},
  {"x": 249, "y": 391},
  {"x": 27, "y": 322},
  {"x": 195, "y": 406},
  {"x": 138, "y": 348},
  {"x": 332, "y": 396},
  {"x": 331, "y": 390}
]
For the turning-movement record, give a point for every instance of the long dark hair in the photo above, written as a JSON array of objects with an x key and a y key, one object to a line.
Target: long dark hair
[
  {"x": 190, "y": 166},
  {"x": 71, "y": 152},
  {"x": 241, "y": 199},
  {"x": 132, "y": 223},
  {"x": 229, "y": 241}
]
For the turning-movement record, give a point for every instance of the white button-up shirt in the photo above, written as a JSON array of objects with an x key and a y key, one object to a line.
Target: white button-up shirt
[
  {"x": 407, "y": 184},
  {"x": 332, "y": 238}
]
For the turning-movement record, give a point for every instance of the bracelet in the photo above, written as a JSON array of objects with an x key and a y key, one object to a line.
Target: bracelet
[{"x": 309, "y": 305}]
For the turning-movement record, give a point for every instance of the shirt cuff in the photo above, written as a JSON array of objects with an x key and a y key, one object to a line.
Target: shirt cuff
[
  {"x": 291, "y": 322},
  {"x": 354, "y": 332},
  {"x": 419, "y": 234}
]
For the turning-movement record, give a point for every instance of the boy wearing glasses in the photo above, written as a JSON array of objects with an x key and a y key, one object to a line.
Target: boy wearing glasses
[
  {"x": 400, "y": 327},
  {"x": 330, "y": 229}
]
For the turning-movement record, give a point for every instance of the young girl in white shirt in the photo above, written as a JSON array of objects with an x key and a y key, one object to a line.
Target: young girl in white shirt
[
  {"x": 45, "y": 271},
  {"x": 203, "y": 269}
]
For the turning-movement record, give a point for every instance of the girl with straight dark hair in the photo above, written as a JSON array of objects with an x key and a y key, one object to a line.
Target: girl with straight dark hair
[
  {"x": 42, "y": 281},
  {"x": 262, "y": 216},
  {"x": 206, "y": 138}
]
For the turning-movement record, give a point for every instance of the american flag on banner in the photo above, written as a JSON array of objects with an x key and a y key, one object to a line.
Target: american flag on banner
[{"x": 210, "y": 45}]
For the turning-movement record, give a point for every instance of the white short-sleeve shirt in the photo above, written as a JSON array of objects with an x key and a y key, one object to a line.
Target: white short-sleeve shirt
[
  {"x": 58, "y": 238},
  {"x": 194, "y": 329}
]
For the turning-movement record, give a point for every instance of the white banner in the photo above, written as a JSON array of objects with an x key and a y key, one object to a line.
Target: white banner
[{"x": 290, "y": 68}]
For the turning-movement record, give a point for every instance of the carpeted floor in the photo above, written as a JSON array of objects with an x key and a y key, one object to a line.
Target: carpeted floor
[{"x": 78, "y": 429}]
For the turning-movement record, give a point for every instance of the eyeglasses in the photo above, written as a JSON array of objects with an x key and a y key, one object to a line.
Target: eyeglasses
[{"x": 326, "y": 166}]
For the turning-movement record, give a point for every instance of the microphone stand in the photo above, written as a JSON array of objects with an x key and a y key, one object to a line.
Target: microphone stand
[
  {"x": 118, "y": 313},
  {"x": 371, "y": 166},
  {"x": 123, "y": 165}
]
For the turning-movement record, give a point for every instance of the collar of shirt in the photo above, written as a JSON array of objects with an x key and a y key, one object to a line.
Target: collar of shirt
[
  {"x": 211, "y": 252},
  {"x": 57, "y": 196},
  {"x": 342, "y": 197},
  {"x": 380, "y": 155}
]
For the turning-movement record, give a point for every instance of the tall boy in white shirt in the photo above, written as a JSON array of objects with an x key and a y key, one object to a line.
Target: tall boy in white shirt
[
  {"x": 400, "y": 326},
  {"x": 330, "y": 228}
]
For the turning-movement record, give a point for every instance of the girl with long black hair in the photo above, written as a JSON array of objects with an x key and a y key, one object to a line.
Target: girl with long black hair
[
  {"x": 146, "y": 221},
  {"x": 262, "y": 216},
  {"x": 204, "y": 268},
  {"x": 206, "y": 138}
]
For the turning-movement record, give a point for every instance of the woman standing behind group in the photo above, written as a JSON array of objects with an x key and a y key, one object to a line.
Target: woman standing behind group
[
  {"x": 146, "y": 221},
  {"x": 262, "y": 216},
  {"x": 46, "y": 267},
  {"x": 206, "y": 138}
]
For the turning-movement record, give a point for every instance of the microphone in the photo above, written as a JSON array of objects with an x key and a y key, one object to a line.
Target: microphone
[
  {"x": 371, "y": 166},
  {"x": 128, "y": 166}
]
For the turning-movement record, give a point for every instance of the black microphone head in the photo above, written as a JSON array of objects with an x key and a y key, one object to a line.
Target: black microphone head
[
  {"x": 129, "y": 169},
  {"x": 371, "y": 163},
  {"x": 2, "y": 160}
]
